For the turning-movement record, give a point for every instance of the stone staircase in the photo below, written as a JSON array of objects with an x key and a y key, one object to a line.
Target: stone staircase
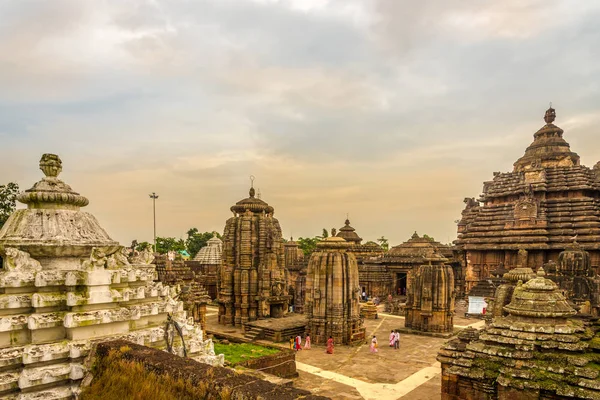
[{"x": 254, "y": 333}]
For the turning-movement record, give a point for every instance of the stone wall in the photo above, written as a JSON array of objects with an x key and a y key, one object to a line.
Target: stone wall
[
  {"x": 214, "y": 382},
  {"x": 282, "y": 364}
]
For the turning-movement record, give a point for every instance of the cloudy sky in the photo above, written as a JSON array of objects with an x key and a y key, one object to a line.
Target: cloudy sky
[{"x": 390, "y": 110}]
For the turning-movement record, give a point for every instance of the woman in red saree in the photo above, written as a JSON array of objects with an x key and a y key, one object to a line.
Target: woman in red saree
[
  {"x": 298, "y": 343},
  {"x": 329, "y": 345}
]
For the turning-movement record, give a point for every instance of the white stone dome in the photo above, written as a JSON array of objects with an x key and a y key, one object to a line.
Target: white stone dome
[{"x": 211, "y": 253}]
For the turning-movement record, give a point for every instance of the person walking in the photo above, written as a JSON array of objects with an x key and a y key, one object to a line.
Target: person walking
[
  {"x": 396, "y": 340},
  {"x": 329, "y": 345},
  {"x": 374, "y": 344},
  {"x": 298, "y": 342},
  {"x": 307, "y": 342},
  {"x": 392, "y": 338},
  {"x": 291, "y": 343}
]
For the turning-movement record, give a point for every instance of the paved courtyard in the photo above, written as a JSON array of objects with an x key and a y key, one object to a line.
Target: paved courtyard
[{"x": 353, "y": 372}]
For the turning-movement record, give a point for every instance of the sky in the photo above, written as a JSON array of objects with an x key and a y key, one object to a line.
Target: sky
[{"x": 391, "y": 111}]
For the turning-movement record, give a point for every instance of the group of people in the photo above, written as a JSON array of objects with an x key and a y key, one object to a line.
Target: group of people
[
  {"x": 296, "y": 344},
  {"x": 394, "y": 341}
]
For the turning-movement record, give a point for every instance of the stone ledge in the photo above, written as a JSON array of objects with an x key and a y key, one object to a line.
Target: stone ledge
[{"x": 217, "y": 380}]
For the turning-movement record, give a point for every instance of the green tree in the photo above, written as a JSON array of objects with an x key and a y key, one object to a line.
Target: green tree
[
  {"x": 383, "y": 242},
  {"x": 164, "y": 245},
  {"x": 142, "y": 246},
  {"x": 325, "y": 233},
  {"x": 8, "y": 201},
  {"x": 426, "y": 236},
  {"x": 195, "y": 241},
  {"x": 308, "y": 245}
]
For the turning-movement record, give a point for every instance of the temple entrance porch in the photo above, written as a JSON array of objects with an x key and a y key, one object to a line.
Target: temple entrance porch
[{"x": 400, "y": 284}]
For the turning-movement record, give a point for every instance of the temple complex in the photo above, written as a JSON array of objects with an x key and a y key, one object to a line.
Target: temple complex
[
  {"x": 67, "y": 285},
  {"x": 206, "y": 264},
  {"x": 536, "y": 351},
  {"x": 430, "y": 300},
  {"x": 332, "y": 294},
  {"x": 252, "y": 280},
  {"x": 527, "y": 217}
]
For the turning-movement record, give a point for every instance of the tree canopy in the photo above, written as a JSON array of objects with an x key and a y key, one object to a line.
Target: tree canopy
[
  {"x": 8, "y": 201},
  {"x": 383, "y": 242}
]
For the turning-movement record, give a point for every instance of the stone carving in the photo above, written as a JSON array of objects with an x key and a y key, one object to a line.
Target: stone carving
[
  {"x": 143, "y": 257},
  {"x": 470, "y": 202},
  {"x": 97, "y": 260},
  {"x": 17, "y": 260},
  {"x": 118, "y": 260}
]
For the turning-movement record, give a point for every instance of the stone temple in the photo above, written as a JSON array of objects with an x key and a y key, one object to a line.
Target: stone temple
[
  {"x": 66, "y": 285},
  {"x": 538, "y": 350},
  {"x": 332, "y": 294},
  {"x": 252, "y": 280},
  {"x": 526, "y": 217},
  {"x": 430, "y": 300}
]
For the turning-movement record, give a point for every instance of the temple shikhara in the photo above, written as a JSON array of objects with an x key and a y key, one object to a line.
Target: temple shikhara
[
  {"x": 527, "y": 217},
  {"x": 332, "y": 294},
  {"x": 252, "y": 280}
]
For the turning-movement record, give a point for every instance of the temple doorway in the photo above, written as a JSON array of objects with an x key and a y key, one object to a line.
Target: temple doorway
[
  {"x": 276, "y": 310},
  {"x": 401, "y": 284}
]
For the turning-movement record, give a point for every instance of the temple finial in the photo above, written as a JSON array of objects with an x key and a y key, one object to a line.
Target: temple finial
[
  {"x": 51, "y": 165},
  {"x": 252, "y": 186},
  {"x": 550, "y": 115}
]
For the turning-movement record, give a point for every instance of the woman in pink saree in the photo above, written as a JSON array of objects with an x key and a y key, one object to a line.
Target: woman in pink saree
[
  {"x": 374, "y": 344},
  {"x": 307, "y": 343},
  {"x": 329, "y": 345},
  {"x": 392, "y": 338}
]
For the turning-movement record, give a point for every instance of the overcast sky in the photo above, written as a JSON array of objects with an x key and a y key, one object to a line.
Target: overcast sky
[{"x": 392, "y": 111}]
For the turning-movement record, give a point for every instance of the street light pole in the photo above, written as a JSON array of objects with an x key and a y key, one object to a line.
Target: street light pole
[{"x": 154, "y": 196}]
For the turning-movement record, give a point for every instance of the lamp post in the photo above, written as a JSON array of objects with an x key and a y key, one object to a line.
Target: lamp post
[{"x": 154, "y": 196}]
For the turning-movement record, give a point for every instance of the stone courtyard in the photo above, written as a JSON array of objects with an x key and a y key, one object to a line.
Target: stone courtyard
[{"x": 353, "y": 372}]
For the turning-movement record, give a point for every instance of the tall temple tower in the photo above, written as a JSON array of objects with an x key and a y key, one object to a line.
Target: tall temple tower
[
  {"x": 526, "y": 217},
  {"x": 332, "y": 294},
  {"x": 252, "y": 280}
]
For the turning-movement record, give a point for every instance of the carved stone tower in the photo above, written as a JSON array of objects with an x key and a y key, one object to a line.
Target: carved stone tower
[
  {"x": 252, "y": 280},
  {"x": 430, "y": 302},
  {"x": 332, "y": 294}
]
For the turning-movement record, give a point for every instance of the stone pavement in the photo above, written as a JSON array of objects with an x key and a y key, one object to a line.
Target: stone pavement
[{"x": 411, "y": 372}]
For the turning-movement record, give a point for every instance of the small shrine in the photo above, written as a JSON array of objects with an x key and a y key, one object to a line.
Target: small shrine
[
  {"x": 332, "y": 294},
  {"x": 430, "y": 300}
]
